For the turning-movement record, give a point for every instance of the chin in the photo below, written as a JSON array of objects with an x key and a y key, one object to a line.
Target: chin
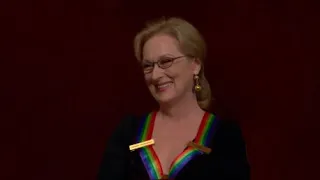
[
  {"x": 164, "y": 100},
  {"x": 164, "y": 97}
]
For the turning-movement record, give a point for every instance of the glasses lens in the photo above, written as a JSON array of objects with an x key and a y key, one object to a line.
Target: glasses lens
[
  {"x": 147, "y": 67},
  {"x": 165, "y": 63}
]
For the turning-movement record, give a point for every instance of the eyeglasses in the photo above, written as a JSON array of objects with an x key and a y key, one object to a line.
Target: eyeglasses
[{"x": 163, "y": 63}]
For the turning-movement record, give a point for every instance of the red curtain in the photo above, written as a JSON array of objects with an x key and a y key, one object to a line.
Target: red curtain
[{"x": 68, "y": 75}]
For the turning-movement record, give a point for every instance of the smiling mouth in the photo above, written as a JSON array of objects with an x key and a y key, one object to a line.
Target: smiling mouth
[{"x": 164, "y": 86}]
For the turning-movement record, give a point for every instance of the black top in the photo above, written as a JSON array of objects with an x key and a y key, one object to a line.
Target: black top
[{"x": 227, "y": 161}]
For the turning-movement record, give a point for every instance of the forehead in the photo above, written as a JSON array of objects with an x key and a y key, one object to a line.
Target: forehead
[{"x": 160, "y": 45}]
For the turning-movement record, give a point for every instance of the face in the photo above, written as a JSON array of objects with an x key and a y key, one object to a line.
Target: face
[{"x": 167, "y": 84}]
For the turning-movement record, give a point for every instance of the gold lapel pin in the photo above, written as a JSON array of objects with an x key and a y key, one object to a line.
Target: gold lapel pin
[
  {"x": 200, "y": 147},
  {"x": 140, "y": 145},
  {"x": 164, "y": 177}
]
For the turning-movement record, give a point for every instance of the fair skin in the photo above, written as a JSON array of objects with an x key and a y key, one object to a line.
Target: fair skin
[{"x": 179, "y": 115}]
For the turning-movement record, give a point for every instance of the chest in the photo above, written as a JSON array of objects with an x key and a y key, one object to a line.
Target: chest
[{"x": 171, "y": 141}]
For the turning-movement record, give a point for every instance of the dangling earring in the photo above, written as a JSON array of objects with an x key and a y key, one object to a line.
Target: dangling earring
[{"x": 197, "y": 86}]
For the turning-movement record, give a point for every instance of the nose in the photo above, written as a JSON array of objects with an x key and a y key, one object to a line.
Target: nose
[{"x": 157, "y": 73}]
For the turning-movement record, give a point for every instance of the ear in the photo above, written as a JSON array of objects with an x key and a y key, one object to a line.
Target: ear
[{"x": 196, "y": 66}]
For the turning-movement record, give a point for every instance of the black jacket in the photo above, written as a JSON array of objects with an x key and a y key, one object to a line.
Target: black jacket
[{"x": 227, "y": 161}]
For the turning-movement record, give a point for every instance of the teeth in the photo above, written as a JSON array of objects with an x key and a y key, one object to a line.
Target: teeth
[{"x": 164, "y": 85}]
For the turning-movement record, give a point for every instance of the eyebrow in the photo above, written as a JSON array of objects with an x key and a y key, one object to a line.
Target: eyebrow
[{"x": 160, "y": 57}]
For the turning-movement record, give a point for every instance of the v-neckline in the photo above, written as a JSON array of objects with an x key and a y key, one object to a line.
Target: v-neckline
[{"x": 151, "y": 159}]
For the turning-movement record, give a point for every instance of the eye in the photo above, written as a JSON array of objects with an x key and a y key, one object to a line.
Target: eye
[
  {"x": 164, "y": 62},
  {"x": 147, "y": 67},
  {"x": 146, "y": 64}
]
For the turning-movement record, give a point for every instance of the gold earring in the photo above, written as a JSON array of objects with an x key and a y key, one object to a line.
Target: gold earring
[{"x": 197, "y": 87}]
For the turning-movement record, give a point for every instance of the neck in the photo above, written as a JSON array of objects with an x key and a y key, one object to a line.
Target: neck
[{"x": 182, "y": 108}]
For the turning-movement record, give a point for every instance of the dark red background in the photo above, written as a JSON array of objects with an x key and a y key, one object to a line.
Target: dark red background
[{"x": 68, "y": 75}]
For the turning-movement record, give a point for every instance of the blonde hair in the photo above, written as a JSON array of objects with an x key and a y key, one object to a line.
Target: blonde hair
[{"x": 191, "y": 43}]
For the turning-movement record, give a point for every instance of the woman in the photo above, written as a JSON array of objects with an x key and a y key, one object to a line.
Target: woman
[{"x": 189, "y": 142}]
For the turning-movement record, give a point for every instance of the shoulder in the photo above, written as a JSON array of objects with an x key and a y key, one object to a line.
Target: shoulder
[
  {"x": 131, "y": 121},
  {"x": 228, "y": 127},
  {"x": 125, "y": 125},
  {"x": 127, "y": 122},
  {"x": 228, "y": 135},
  {"x": 230, "y": 148},
  {"x": 116, "y": 154},
  {"x": 126, "y": 128}
]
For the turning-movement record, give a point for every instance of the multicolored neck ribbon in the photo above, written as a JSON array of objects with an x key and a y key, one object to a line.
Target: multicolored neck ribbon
[{"x": 150, "y": 158}]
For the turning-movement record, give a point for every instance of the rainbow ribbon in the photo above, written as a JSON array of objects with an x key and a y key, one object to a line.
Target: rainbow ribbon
[{"x": 150, "y": 158}]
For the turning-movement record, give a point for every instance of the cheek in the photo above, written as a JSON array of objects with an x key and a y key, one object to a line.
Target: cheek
[
  {"x": 148, "y": 81},
  {"x": 183, "y": 79}
]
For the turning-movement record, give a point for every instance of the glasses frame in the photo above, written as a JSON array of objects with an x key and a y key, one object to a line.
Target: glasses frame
[{"x": 171, "y": 59}]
